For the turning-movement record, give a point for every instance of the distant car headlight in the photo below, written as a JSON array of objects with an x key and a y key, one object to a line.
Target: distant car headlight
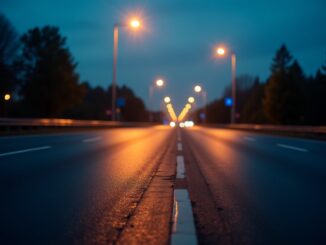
[{"x": 172, "y": 124}]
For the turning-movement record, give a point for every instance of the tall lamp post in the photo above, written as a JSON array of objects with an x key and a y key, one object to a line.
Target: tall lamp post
[
  {"x": 221, "y": 51},
  {"x": 159, "y": 83},
  {"x": 198, "y": 89},
  {"x": 134, "y": 24}
]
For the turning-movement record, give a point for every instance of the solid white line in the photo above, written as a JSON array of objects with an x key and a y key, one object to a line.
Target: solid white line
[
  {"x": 292, "y": 148},
  {"x": 180, "y": 167},
  {"x": 179, "y": 147},
  {"x": 25, "y": 151},
  {"x": 183, "y": 229},
  {"x": 92, "y": 139},
  {"x": 249, "y": 138}
]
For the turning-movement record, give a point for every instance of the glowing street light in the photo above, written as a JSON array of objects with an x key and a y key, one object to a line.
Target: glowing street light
[
  {"x": 6, "y": 97},
  {"x": 191, "y": 100},
  {"x": 167, "y": 99},
  {"x": 221, "y": 51},
  {"x": 134, "y": 24},
  {"x": 159, "y": 82},
  {"x": 197, "y": 89}
]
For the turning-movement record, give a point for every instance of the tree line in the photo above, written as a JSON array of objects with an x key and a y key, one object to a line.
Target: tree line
[
  {"x": 39, "y": 72},
  {"x": 287, "y": 97}
]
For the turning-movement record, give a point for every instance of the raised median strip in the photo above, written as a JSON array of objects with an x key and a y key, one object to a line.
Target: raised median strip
[{"x": 183, "y": 228}]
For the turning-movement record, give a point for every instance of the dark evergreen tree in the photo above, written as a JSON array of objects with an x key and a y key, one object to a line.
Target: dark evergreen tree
[
  {"x": 283, "y": 96},
  {"x": 316, "y": 98},
  {"x": 8, "y": 50},
  {"x": 50, "y": 84},
  {"x": 253, "y": 108}
]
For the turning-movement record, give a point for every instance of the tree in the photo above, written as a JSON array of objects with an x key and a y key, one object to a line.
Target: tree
[
  {"x": 50, "y": 84},
  {"x": 281, "y": 61},
  {"x": 316, "y": 99},
  {"x": 253, "y": 107},
  {"x": 283, "y": 93},
  {"x": 134, "y": 109},
  {"x": 8, "y": 50}
]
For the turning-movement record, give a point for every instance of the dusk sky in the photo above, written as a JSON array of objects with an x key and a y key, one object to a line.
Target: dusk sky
[{"x": 178, "y": 39}]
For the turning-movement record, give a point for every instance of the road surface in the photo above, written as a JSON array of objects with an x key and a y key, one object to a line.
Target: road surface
[
  {"x": 117, "y": 186},
  {"x": 265, "y": 189},
  {"x": 79, "y": 188}
]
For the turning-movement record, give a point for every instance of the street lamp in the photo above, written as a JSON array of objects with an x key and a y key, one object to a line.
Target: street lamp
[
  {"x": 198, "y": 89},
  {"x": 221, "y": 51},
  {"x": 133, "y": 24},
  {"x": 167, "y": 99},
  {"x": 191, "y": 100},
  {"x": 159, "y": 83},
  {"x": 6, "y": 97}
]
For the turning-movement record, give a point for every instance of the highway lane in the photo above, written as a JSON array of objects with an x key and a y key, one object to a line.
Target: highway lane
[
  {"x": 76, "y": 188},
  {"x": 265, "y": 189}
]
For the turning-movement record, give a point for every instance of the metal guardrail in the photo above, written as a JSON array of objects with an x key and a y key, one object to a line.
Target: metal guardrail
[
  {"x": 57, "y": 122},
  {"x": 274, "y": 128}
]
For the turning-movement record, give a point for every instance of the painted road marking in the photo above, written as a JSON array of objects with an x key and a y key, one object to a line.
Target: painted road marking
[
  {"x": 92, "y": 139},
  {"x": 179, "y": 147},
  {"x": 180, "y": 167},
  {"x": 183, "y": 229},
  {"x": 25, "y": 150},
  {"x": 292, "y": 148},
  {"x": 250, "y": 138},
  {"x": 179, "y": 136}
]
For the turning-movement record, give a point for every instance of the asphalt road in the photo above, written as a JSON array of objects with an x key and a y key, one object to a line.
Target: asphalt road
[
  {"x": 116, "y": 185},
  {"x": 76, "y": 188},
  {"x": 265, "y": 189}
]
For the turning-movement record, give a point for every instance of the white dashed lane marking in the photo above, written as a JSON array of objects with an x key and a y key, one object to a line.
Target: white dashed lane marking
[
  {"x": 92, "y": 139},
  {"x": 250, "y": 138},
  {"x": 292, "y": 147},
  {"x": 180, "y": 167},
  {"x": 25, "y": 151}
]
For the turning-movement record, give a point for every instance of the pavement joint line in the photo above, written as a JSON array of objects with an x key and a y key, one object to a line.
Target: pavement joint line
[
  {"x": 292, "y": 147},
  {"x": 179, "y": 146},
  {"x": 89, "y": 140},
  {"x": 25, "y": 150},
  {"x": 180, "y": 167},
  {"x": 250, "y": 138},
  {"x": 183, "y": 225}
]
